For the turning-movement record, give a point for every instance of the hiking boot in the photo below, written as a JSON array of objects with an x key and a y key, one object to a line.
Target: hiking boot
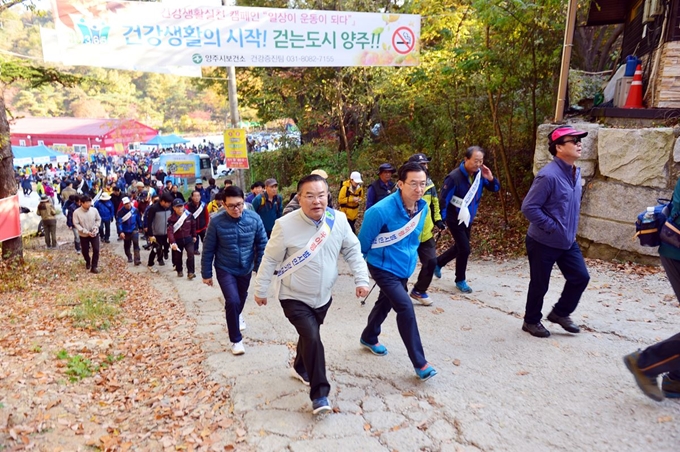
[
  {"x": 191, "y": 276},
  {"x": 161, "y": 263},
  {"x": 321, "y": 406},
  {"x": 670, "y": 387},
  {"x": 421, "y": 297},
  {"x": 564, "y": 322},
  {"x": 152, "y": 269},
  {"x": 535, "y": 329},
  {"x": 649, "y": 385},
  {"x": 129, "y": 259},
  {"x": 237, "y": 348},
  {"x": 438, "y": 272},
  {"x": 241, "y": 323},
  {"x": 197, "y": 253},
  {"x": 426, "y": 372},
  {"x": 463, "y": 286},
  {"x": 303, "y": 377},
  {"x": 180, "y": 274},
  {"x": 87, "y": 266},
  {"x": 377, "y": 349},
  {"x": 94, "y": 270}
]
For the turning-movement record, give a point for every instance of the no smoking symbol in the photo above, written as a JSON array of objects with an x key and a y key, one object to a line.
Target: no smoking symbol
[{"x": 403, "y": 40}]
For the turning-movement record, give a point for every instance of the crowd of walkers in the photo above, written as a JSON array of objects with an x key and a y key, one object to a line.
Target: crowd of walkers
[{"x": 293, "y": 247}]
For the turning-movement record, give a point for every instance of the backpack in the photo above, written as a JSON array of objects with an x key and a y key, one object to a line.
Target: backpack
[{"x": 649, "y": 233}]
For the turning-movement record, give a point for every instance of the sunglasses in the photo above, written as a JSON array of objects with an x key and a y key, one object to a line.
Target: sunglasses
[{"x": 575, "y": 141}]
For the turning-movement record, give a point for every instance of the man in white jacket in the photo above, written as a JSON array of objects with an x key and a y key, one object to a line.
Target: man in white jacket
[{"x": 303, "y": 249}]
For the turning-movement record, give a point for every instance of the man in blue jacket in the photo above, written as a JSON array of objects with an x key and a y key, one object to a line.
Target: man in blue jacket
[
  {"x": 128, "y": 223},
  {"x": 459, "y": 200},
  {"x": 235, "y": 243},
  {"x": 269, "y": 205},
  {"x": 552, "y": 207},
  {"x": 106, "y": 210},
  {"x": 390, "y": 237}
]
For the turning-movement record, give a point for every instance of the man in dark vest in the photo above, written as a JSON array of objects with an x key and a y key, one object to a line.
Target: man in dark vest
[{"x": 382, "y": 186}]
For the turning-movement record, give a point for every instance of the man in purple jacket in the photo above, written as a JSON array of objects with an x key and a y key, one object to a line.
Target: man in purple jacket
[{"x": 552, "y": 207}]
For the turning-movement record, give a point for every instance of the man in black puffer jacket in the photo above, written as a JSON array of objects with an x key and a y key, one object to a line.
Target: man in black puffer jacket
[{"x": 235, "y": 242}]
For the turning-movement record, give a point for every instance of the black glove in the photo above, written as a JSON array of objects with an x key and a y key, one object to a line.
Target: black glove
[{"x": 440, "y": 225}]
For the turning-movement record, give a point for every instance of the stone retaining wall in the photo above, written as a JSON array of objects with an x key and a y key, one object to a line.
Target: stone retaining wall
[{"x": 624, "y": 171}]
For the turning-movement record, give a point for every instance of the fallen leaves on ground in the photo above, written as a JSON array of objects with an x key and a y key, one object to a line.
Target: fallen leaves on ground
[{"x": 148, "y": 389}]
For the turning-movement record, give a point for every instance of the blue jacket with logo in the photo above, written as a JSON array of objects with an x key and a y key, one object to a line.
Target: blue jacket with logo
[
  {"x": 387, "y": 216},
  {"x": 236, "y": 245},
  {"x": 133, "y": 224},
  {"x": 553, "y": 204},
  {"x": 457, "y": 183},
  {"x": 105, "y": 209}
]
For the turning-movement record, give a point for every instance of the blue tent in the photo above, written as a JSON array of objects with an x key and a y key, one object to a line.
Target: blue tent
[
  {"x": 25, "y": 155},
  {"x": 166, "y": 140}
]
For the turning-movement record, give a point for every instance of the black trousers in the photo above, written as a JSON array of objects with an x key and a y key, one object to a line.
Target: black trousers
[
  {"x": 662, "y": 357},
  {"x": 460, "y": 251},
  {"x": 131, "y": 239},
  {"x": 542, "y": 258},
  {"x": 310, "y": 357},
  {"x": 105, "y": 230},
  {"x": 427, "y": 253},
  {"x": 159, "y": 249},
  {"x": 200, "y": 237},
  {"x": 187, "y": 244},
  {"x": 85, "y": 243}
]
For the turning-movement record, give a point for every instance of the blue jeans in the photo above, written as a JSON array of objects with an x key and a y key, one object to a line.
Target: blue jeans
[
  {"x": 394, "y": 295},
  {"x": 235, "y": 291},
  {"x": 541, "y": 261}
]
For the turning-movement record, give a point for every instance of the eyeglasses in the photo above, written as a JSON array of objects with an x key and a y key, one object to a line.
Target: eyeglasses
[
  {"x": 312, "y": 198},
  {"x": 234, "y": 206},
  {"x": 415, "y": 185},
  {"x": 575, "y": 141}
]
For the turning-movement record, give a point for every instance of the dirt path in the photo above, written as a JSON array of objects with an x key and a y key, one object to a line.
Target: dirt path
[{"x": 178, "y": 387}]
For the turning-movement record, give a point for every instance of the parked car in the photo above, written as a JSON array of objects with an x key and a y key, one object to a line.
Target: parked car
[{"x": 222, "y": 170}]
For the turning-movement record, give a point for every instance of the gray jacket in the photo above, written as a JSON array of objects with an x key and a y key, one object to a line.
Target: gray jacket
[{"x": 312, "y": 284}]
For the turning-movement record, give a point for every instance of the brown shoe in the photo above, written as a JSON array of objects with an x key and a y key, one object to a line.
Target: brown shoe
[
  {"x": 564, "y": 322},
  {"x": 94, "y": 270},
  {"x": 649, "y": 385},
  {"x": 191, "y": 276},
  {"x": 536, "y": 329}
]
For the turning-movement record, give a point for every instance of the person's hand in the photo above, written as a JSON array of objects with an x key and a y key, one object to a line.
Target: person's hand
[
  {"x": 174, "y": 247},
  {"x": 362, "y": 291},
  {"x": 152, "y": 239},
  {"x": 440, "y": 225},
  {"x": 486, "y": 173},
  {"x": 121, "y": 235},
  {"x": 260, "y": 301},
  {"x": 208, "y": 282},
  {"x": 194, "y": 239},
  {"x": 357, "y": 199}
]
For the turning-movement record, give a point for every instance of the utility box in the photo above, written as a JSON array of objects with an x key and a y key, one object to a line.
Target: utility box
[{"x": 622, "y": 90}]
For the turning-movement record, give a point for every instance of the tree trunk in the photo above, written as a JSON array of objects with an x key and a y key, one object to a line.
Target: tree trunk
[{"x": 12, "y": 249}]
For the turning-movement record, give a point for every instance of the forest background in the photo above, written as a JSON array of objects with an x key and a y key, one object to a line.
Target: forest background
[{"x": 488, "y": 77}]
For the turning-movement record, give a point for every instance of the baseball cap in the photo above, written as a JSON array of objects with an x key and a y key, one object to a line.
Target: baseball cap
[
  {"x": 419, "y": 158},
  {"x": 105, "y": 197},
  {"x": 564, "y": 131},
  {"x": 199, "y": 182},
  {"x": 320, "y": 172},
  {"x": 177, "y": 202},
  {"x": 125, "y": 200},
  {"x": 356, "y": 177},
  {"x": 270, "y": 182},
  {"x": 140, "y": 184},
  {"x": 386, "y": 167}
]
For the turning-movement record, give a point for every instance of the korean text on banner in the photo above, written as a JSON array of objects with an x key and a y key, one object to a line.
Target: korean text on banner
[
  {"x": 182, "y": 168},
  {"x": 10, "y": 218},
  {"x": 101, "y": 33},
  {"x": 236, "y": 149}
]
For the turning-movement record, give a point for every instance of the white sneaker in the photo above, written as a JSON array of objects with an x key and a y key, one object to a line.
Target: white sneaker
[
  {"x": 237, "y": 348},
  {"x": 241, "y": 322}
]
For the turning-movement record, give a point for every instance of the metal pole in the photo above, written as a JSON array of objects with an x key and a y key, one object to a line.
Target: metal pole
[
  {"x": 566, "y": 60},
  {"x": 233, "y": 108}
]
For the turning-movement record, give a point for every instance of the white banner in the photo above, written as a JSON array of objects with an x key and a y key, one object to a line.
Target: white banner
[
  {"x": 53, "y": 53},
  {"x": 147, "y": 34}
]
